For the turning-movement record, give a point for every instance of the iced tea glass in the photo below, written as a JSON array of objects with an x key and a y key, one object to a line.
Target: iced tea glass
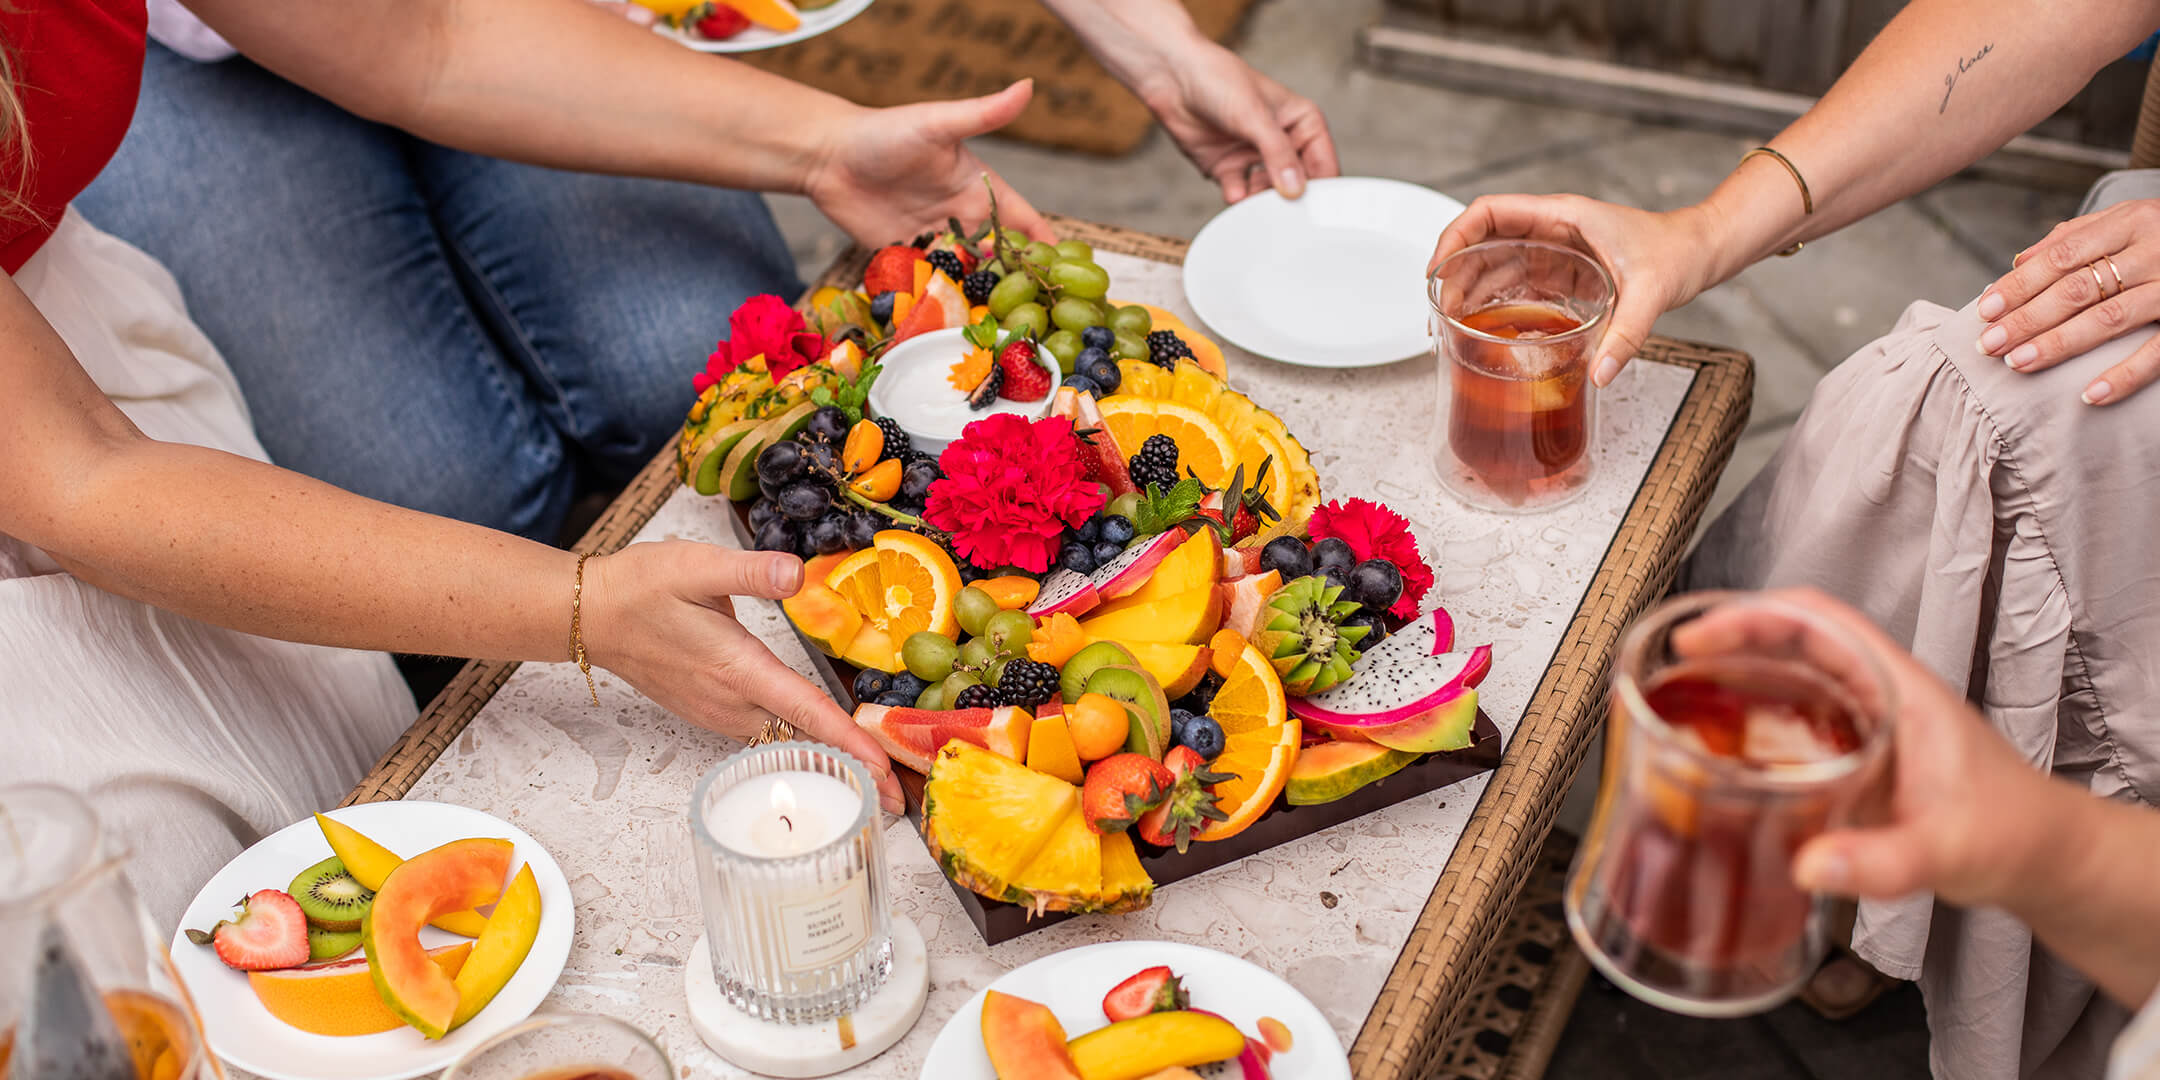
[
  {"x": 1514, "y": 322},
  {"x": 1741, "y": 728},
  {"x": 565, "y": 1046},
  {"x": 86, "y": 986}
]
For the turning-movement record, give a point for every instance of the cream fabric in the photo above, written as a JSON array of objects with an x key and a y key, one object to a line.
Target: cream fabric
[
  {"x": 192, "y": 740},
  {"x": 2137, "y": 1053},
  {"x": 2005, "y": 531}
]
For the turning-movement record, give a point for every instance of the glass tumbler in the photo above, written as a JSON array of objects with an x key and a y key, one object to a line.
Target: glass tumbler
[
  {"x": 1741, "y": 728},
  {"x": 86, "y": 987},
  {"x": 791, "y": 876},
  {"x": 565, "y": 1046},
  {"x": 1514, "y": 323}
]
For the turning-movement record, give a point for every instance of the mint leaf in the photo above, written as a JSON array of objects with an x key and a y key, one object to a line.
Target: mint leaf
[{"x": 1161, "y": 510}]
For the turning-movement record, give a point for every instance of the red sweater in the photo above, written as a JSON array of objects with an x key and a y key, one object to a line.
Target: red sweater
[{"x": 78, "y": 66}]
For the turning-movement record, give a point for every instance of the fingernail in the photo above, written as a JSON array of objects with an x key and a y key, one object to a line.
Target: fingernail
[
  {"x": 2021, "y": 356},
  {"x": 786, "y": 575},
  {"x": 2098, "y": 392},
  {"x": 1991, "y": 305},
  {"x": 1291, "y": 183},
  {"x": 1992, "y": 339},
  {"x": 1607, "y": 369},
  {"x": 1822, "y": 871}
]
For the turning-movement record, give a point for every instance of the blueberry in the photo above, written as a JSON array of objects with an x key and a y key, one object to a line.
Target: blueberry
[
  {"x": 1089, "y": 531},
  {"x": 881, "y": 307},
  {"x": 1087, "y": 357},
  {"x": 863, "y": 527},
  {"x": 896, "y": 700},
  {"x": 907, "y": 683},
  {"x": 1288, "y": 556},
  {"x": 776, "y": 535},
  {"x": 1083, "y": 384},
  {"x": 1204, "y": 736},
  {"x": 828, "y": 535},
  {"x": 1105, "y": 374},
  {"x": 870, "y": 684},
  {"x": 1106, "y": 550},
  {"x": 1179, "y": 718},
  {"x": 1098, "y": 337},
  {"x": 1375, "y": 583},
  {"x": 1375, "y": 624},
  {"x": 1117, "y": 529},
  {"x": 802, "y": 502},
  {"x": 1077, "y": 557},
  {"x": 1334, "y": 551},
  {"x": 828, "y": 424}
]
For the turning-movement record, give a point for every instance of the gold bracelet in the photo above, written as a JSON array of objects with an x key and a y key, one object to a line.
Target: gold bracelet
[
  {"x": 577, "y": 628},
  {"x": 1807, "y": 198}
]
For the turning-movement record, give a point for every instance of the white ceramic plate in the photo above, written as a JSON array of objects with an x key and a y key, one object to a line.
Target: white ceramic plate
[
  {"x": 914, "y": 391},
  {"x": 1072, "y": 983},
  {"x": 757, "y": 37},
  {"x": 1334, "y": 278},
  {"x": 244, "y": 1033}
]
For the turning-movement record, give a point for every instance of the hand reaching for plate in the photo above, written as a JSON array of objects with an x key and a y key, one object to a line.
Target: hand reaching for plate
[{"x": 888, "y": 174}]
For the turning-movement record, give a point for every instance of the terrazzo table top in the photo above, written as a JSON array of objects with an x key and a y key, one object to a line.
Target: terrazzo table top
[{"x": 606, "y": 790}]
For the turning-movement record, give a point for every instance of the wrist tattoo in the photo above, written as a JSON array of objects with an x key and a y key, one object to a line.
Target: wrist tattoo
[{"x": 1964, "y": 64}]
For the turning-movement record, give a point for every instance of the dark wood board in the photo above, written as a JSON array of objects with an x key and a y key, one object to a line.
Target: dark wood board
[{"x": 999, "y": 921}]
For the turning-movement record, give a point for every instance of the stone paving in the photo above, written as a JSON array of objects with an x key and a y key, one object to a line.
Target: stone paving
[{"x": 1798, "y": 317}]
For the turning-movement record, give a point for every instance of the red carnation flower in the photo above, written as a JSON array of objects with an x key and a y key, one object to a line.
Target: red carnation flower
[
  {"x": 1375, "y": 532},
  {"x": 1011, "y": 488},
  {"x": 763, "y": 325}
]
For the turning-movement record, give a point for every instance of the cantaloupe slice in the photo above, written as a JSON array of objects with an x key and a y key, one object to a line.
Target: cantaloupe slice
[{"x": 458, "y": 876}]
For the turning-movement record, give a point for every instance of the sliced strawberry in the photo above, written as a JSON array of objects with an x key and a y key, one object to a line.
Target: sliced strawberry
[
  {"x": 892, "y": 270},
  {"x": 721, "y": 23},
  {"x": 1152, "y": 990},
  {"x": 1025, "y": 379},
  {"x": 268, "y": 931}
]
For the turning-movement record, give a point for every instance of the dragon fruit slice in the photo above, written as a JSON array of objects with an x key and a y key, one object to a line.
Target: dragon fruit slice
[
  {"x": 1402, "y": 694},
  {"x": 1127, "y": 572},
  {"x": 1066, "y": 592}
]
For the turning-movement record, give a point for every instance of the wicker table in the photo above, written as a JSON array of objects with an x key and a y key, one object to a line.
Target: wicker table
[{"x": 1443, "y": 952}]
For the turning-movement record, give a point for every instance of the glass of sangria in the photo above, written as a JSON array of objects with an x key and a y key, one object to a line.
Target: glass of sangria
[
  {"x": 565, "y": 1046},
  {"x": 1742, "y": 727},
  {"x": 87, "y": 989},
  {"x": 1514, "y": 322}
]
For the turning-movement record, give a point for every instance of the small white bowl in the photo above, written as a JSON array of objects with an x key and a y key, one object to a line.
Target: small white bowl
[{"x": 913, "y": 390}]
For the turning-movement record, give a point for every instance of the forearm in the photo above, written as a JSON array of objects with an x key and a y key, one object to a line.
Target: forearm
[
  {"x": 1132, "y": 39},
  {"x": 550, "y": 82},
  {"x": 2088, "y": 884},
  {"x": 1944, "y": 84}
]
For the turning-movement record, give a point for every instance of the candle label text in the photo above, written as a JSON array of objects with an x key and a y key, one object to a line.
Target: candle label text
[{"x": 816, "y": 933}]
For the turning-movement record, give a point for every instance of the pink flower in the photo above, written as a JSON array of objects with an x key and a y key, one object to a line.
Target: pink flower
[
  {"x": 1011, "y": 488},
  {"x": 763, "y": 325},
  {"x": 1375, "y": 532}
]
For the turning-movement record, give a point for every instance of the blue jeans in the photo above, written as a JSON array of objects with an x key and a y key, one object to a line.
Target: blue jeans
[{"x": 444, "y": 331}]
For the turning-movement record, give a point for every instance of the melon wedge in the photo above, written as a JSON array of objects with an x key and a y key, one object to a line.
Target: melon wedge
[
  {"x": 913, "y": 736},
  {"x": 339, "y": 998},
  {"x": 457, "y": 876},
  {"x": 1190, "y": 617},
  {"x": 1024, "y": 1040}
]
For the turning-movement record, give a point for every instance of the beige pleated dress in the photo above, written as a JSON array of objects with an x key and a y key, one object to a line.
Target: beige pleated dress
[
  {"x": 191, "y": 740},
  {"x": 2010, "y": 534}
]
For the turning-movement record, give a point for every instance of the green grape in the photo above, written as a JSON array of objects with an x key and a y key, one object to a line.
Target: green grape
[
  {"x": 1076, "y": 251},
  {"x": 997, "y": 670},
  {"x": 1012, "y": 291},
  {"x": 932, "y": 697},
  {"x": 1124, "y": 506},
  {"x": 1065, "y": 346},
  {"x": 977, "y": 653},
  {"x": 958, "y": 681},
  {"x": 1082, "y": 279},
  {"x": 1029, "y": 319},
  {"x": 1038, "y": 254},
  {"x": 1075, "y": 314},
  {"x": 929, "y": 655},
  {"x": 974, "y": 607},
  {"x": 1010, "y": 631},
  {"x": 1132, "y": 319},
  {"x": 1129, "y": 346}
]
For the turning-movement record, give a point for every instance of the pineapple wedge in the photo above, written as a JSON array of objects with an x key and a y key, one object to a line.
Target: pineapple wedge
[{"x": 986, "y": 817}]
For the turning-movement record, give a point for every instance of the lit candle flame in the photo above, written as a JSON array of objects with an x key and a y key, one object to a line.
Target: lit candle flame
[{"x": 783, "y": 802}]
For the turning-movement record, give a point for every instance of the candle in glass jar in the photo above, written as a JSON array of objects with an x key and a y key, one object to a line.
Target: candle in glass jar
[{"x": 783, "y": 813}]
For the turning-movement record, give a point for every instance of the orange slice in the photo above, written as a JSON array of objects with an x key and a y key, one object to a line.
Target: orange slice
[
  {"x": 1259, "y": 761},
  {"x": 1251, "y": 697},
  {"x": 1203, "y": 446},
  {"x": 919, "y": 582}
]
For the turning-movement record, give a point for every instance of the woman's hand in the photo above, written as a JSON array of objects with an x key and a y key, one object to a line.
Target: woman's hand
[
  {"x": 1658, "y": 261},
  {"x": 888, "y": 174},
  {"x": 658, "y": 614},
  {"x": 1230, "y": 120},
  {"x": 2088, "y": 282}
]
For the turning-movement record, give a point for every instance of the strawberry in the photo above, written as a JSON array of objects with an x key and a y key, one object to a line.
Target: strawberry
[
  {"x": 1109, "y": 469},
  {"x": 1119, "y": 789},
  {"x": 1025, "y": 380},
  {"x": 1084, "y": 453},
  {"x": 1189, "y": 804},
  {"x": 1239, "y": 511},
  {"x": 720, "y": 23},
  {"x": 1151, "y": 990},
  {"x": 891, "y": 270},
  {"x": 268, "y": 932}
]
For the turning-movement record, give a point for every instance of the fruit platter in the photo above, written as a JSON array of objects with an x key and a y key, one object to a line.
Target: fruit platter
[{"x": 1088, "y": 595}]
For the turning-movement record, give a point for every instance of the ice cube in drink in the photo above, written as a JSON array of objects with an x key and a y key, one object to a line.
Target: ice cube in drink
[{"x": 1519, "y": 414}]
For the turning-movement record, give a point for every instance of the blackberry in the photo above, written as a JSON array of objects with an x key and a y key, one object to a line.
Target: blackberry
[
  {"x": 1156, "y": 463},
  {"x": 978, "y": 696},
  {"x": 947, "y": 261},
  {"x": 977, "y": 286},
  {"x": 1028, "y": 683},
  {"x": 986, "y": 392},
  {"x": 896, "y": 440},
  {"x": 1164, "y": 348}
]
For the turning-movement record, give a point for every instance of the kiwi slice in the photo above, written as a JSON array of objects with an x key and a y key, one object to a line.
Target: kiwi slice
[
  {"x": 330, "y": 944},
  {"x": 1073, "y": 678},
  {"x": 330, "y": 897}
]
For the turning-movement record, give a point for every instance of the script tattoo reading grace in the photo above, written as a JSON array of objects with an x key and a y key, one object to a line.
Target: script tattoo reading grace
[{"x": 1965, "y": 64}]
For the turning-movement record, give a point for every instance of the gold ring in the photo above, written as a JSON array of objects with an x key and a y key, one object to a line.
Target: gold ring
[
  {"x": 2098, "y": 285},
  {"x": 2113, "y": 272}
]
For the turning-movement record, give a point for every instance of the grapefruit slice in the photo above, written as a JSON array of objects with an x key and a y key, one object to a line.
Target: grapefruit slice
[{"x": 941, "y": 306}]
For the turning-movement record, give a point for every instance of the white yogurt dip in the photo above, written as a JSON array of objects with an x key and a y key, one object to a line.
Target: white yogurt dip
[{"x": 914, "y": 389}]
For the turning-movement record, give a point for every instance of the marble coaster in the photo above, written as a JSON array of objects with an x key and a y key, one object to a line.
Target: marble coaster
[{"x": 803, "y": 1050}]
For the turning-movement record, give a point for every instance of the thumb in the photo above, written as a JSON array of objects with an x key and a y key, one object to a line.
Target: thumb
[
  {"x": 769, "y": 574},
  {"x": 1876, "y": 864},
  {"x": 966, "y": 118},
  {"x": 1632, "y": 318}
]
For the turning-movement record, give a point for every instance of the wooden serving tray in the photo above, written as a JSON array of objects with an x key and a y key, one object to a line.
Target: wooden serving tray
[{"x": 999, "y": 921}]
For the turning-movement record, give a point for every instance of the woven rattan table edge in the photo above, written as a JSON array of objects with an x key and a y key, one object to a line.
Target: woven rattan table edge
[{"x": 1418, "y": 1001}]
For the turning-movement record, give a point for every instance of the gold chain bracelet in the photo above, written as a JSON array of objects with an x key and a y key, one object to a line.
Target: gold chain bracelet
[
  {"x": 577, "y": 628},
  {"x": 1807, "y": 198}
]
